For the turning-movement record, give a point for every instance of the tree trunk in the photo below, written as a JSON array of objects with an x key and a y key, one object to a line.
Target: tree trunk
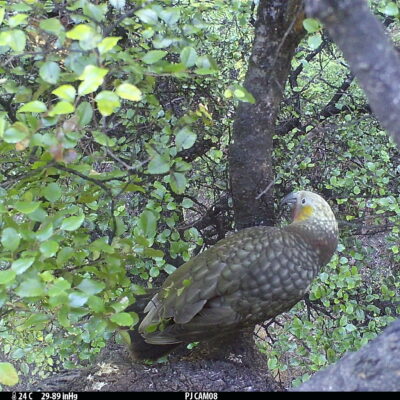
[
  {"x": 372, "y": 57},
  {"x": 278, "y": 31},
  {"x": 376, "y": 367}
]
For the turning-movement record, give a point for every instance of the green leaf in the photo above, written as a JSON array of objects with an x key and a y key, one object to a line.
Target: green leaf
[
  {"x": 153, "y": 56},
  {"x": 38, "y": 215},
  {"x": 16, "y": 132},
  {"x": 107, "y": 102},
  {"x": 33, "y": 106},
  {"x": 26, "y": 207},
  {"x": 36, "y": 321},
  {"x": 52, "y": 25},
  {"x": 118, "y": 4},
  {"x": 228, "y": 93},
  {"x": 187, "y": 203},
  {"x": 49, "y": 248},
  {"x": 185, "y": 139},
  {"x": 72, "y": 223},
  {"x": 108, "y": 44},
  {"x": 391, "y": 9},
  {"x": 147, "y": 15},
  {"x": 311, "y": 25},
  {"x": 65, "y": 92},
  {"x": 129, "y": 92},
  {"x": 159, "y": 164},
  {"x": 95, "y": 11},
  {"x": 2, "y": 13},
  {"x": 65, "y": 254},
  {"x": 188, "y": 56},
  {"x": 272, "y": 363},
  {"x": 59, "y": 287},
  {"x": 206, "y": 62},
  {"x": 5, "y": 38},
  {"x": 149, "y": 252},
  {"x": 205, "y": 71},
  {"x": 170, "y": 15},
  {"x": 101, "y": 245},
  {"x": 30, "y": 288},
  {"x": 50, "y": 72},
  {"x": 169, "y": 269},
  {"x": 77, "y": 299},
  {"x": 10, "y": 239},
  {"x": 61, "y": 108},
  {"x": 92, "y": 78},
  {"x": 8, "y": 374},
  {"x": 242, "y": 94},
  {"x": 22, "y": 264},
  {"x": 3, "y": 125},
  {"x": 90, "y": 286},
  {"x": 177, "y": 182},
  {"x": 84, "y": 113},
  {"x": 314, "y": 41},
  {"x": 89, "y": 40},
  {"x": 148, "y": 223},
  {"x": 18, "y": 40},
  {"x": 122, "y": 319},
  {"x": 52, "y": 192},
  {"x": 181, "y": 166},
  {"x": 7, "y": 276},
  {"x": 103, "y": 139},
  {"x": 17, "y": 20},
  {"x": 81, "y": 32},
  {"x": 96, "y": 304}
]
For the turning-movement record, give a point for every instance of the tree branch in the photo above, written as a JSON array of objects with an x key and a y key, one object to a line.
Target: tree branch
[{"x": 372, "y": 57}]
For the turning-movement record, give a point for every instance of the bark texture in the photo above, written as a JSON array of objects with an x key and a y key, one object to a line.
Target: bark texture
[
  {"x": 372, "y": 57},
  {"x": 278, "y": 31}
]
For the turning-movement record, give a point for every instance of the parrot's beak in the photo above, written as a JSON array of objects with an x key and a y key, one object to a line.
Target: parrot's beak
[{"x": 290, "y": 199}]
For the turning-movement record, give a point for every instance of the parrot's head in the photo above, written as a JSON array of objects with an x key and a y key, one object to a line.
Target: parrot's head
[{"x": 310, "y": 207}]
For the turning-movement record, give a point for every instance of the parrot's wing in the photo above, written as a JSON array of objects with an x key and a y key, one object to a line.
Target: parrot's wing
[{"x": 198, "y": 288}]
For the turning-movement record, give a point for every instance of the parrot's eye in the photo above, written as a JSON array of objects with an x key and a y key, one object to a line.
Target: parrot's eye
[{"x": 303, "y": 201}]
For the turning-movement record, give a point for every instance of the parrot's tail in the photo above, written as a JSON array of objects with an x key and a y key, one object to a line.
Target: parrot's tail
[{"x": 141, "y": 350}]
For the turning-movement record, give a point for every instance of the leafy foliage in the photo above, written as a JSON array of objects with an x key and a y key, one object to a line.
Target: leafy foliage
[
  {"x": 114, "y": 128},
  {"x": 96, "y": 158}
]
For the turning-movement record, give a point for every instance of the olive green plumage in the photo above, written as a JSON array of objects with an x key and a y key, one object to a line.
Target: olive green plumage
[{"x": 246, "y": 278}]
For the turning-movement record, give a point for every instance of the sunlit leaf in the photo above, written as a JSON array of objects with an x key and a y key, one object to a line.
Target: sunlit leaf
[
  {"x": 65, "y": 92},
  {"x": 8, "y": 374},
  {"x": 129, "y": 92},
  {"x": 72, "y": 223},
  {"x": 107, "y": 102},
  {"x": 33, "y": 106},
  {"x": 62, "y": 107},
  {"x": 92, "y": 78},
  {"x": 107, "y": 44}
]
